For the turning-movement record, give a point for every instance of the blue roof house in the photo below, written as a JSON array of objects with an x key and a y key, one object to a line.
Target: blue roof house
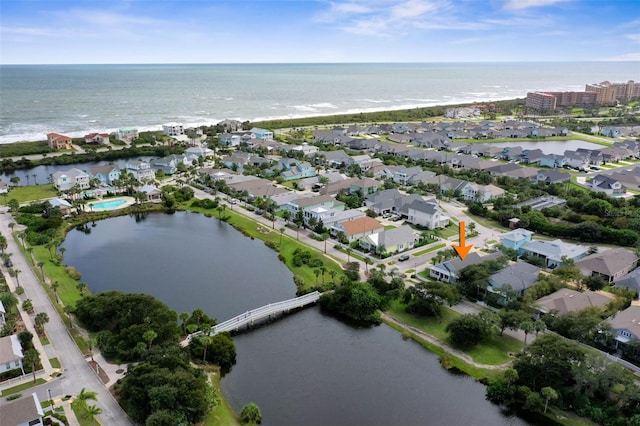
[
  {"x": 263, "y": 134},
  {"x": 516, "y": 239}
]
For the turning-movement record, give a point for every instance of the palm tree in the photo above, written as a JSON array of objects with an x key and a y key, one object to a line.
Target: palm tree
[
  {"x": 40, "y": 320},
  {"x": 316, "y": 272},
  {"x": 206, "y": 342},
  {"x": 3, "y": 243},
  {"x": 85, "y": 396},
  {"x": 41, "y": 265},
  {"x": 31, "y": 358},
  {"x": 54, "y": 287},
  {"x": 184, "y": 316},
  {"x": 16, "y": 272},
  {"x": 367, "y": 262},
  {"x": 323, "y": 270},
  {"x": 527, "y": 327},
  {"x": 333, "y": 275},
  {"x": 62, "y": 250},
  {"x": 281, "y": 232},
  {"x": 35, "y": 177},
  {"x": 91, "y": 412},
  {"x": 149, "y": 336}
]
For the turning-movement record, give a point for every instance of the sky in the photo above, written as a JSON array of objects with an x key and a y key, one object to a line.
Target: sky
[{"x": 311, "y": 31}]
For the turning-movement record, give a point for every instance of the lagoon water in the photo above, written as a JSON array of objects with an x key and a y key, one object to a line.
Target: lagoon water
[
  {"x": 78, "y": 99},
  {"x": 305, "y": 369}
]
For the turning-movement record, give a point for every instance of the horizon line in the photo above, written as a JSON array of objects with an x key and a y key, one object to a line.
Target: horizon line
[{"x": 321, "y": 63}]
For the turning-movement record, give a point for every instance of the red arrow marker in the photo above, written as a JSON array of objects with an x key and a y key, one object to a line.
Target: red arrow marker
[{"x": 462, "y": 249}]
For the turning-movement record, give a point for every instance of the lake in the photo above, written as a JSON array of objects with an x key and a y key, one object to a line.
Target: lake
[
  {"x": 551, "y": 147},
  {"x": 307, "y": 368}
]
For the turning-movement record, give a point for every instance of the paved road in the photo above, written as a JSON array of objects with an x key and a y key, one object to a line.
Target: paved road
[{"x": 76, "y": 372}]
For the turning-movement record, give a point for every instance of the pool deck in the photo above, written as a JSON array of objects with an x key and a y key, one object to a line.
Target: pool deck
[{"x": 128, "y": 201}]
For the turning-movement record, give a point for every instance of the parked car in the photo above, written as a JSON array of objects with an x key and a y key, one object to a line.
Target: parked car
[
  {"x": 403, "y": 258},
  {"x": 8, "y": 263},
  {"x": 595, "y": 168}
]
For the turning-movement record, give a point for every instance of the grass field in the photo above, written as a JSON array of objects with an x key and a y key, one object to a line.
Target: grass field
[
  {"x": 30, "y": 193},
  {"x": 23, "y": 386},
  {"x": 494, "y": 351},
  {"x": 222, "y": 413},
  {"x": 430, "y": 249}
]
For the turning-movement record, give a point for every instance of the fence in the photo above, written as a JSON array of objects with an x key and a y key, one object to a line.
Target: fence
[{"x": 19, "y": 380}]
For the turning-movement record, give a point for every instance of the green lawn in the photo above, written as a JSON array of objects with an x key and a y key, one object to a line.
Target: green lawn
[
  {"x": 387, "y": 227},
  {"x": 24, "y": 386},
  {"x": 494, "y": 351},
  {"x": 30, "y": 193},
  {"x": 430, "y": 249},
  {"x": 222, "y": 413},
  {"x": 81, "y": 414},
  {"x": 449, "y": 231},
  {"x": 55, "y": 362}
]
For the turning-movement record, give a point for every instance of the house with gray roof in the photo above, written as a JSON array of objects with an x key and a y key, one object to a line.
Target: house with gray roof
[
  {"x": 551, "y": 176},
  {"x": 389, "y": 200},
  {"x": 64, "y": 206},
  {"x": 626, "y": 324},
  {"x": 64, "y": 181},
  {"x": 393, "y": 240},
  {"x": 335, "y": 158},
  {"x": 630, "y": 281},
  {"x": 520, "y": 276},
  {"x": 567, "y": 300},
  {"x": 503, "y": 169},
  {"x": 107, "y": 174},
  {"x": 481, "y": 193},
  {"x": 611, "y": 264},
  {"x": 552, "y": 252},
  {"x": 427, "y": 214},
  {"x": 26, "y": 411},
  {"x": 607, "y": 184},
  {"x": 447, "y": 271}
]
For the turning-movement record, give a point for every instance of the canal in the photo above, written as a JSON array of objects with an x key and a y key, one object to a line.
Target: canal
[{"x": 307, "y": 368}]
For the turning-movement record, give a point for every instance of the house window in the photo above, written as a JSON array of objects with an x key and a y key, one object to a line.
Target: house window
[{"x": 7, "y": 366}]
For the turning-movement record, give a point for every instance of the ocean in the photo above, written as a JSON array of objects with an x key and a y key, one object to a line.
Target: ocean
[{"x": 79, "y": 99}]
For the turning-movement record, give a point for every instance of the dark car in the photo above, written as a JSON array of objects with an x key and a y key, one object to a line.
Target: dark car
[
  {"x": 403, "y": 258},
  {"x": 8, "y": 263}
]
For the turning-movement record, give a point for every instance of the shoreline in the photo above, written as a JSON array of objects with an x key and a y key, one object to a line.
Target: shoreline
[{"x": 38, "y": 137}]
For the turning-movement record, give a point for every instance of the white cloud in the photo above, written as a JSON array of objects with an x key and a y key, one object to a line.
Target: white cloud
[
  {"x": 627, "y": 57},
  {"x": 34, "y": 31},
  {"x": 526, "y": 4},
  {"x": 634, "y": 37}
]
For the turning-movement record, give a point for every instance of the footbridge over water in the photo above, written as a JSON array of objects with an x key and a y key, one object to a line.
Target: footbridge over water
[{"x": 250, "y": 317}]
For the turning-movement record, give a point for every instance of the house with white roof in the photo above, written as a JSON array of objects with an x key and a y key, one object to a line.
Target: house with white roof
[
  {"x": 393, "y": 240},
  {"x": 141, "y": 170},
  {"x": 128, "y": 134},
  {"x": 198, "y": 151},
  {"x": 64, "y": 206},
  {"x": 481, "y": 193},
  {"x": 264, "y": 134},
  {"x": 553, "y": 252},
  {"x": 331, "y": 217},
  {"x": 152, "y": 193},
  {"x": 99, "y": 138},
  {"x": 10, "y": 353}
]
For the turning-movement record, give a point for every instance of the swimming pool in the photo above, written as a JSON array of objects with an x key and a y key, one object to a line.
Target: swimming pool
[{"x": 109, "y": 204}]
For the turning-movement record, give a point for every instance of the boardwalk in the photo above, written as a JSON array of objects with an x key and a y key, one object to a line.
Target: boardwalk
[{"x": 254, "y": 315}]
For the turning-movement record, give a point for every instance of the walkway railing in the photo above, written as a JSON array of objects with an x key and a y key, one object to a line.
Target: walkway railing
[{"x": 253, "y": 315}]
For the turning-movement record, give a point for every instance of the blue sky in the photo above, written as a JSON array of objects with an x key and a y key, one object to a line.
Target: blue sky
[{"x": 242, "y": 31}]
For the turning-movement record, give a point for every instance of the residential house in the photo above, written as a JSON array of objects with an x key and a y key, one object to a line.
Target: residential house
[
  {"x": 520, "y": 276},
  {"x": 198, "y": 151},
  {"x": 612, "y": 154},
  {"x": 516, "y": 239},
  {"x": 448, "y": 270},
  {"x": 420, "y": 177},
  {"x": 626, "y": 325},
  {"x": 447, "y": 184},
  {"x": 64, "y": 206},
  {"x": 264, "y": 134},
  {"x": 629, "y": 178},
  {"x": 594, "y": 155},
  {"x": 305, "y": 149},
  {"x": 173, "y": 129},
  {"x": 567, "y": 300},
  {"x": 358, "y": 228},
  {"x": 400, "y": 138},
  {"x": 553, "y": 252},
  {"x": 551, "y": 176},
  {"x": 107, "y": 174},
  {"x": 4, "y": 188},
  {"x": 3, "y": 312},
  {"x": 331, "y": 217},
  {"x": 503, "y": 169},
  {"x": 230, "y": 139},
  {"x": 426, "y": 214},
  {"x": 630, "y": 281},
  {"x": 577, "y": 160},
  {"x": 337, "y": 158},
  {"x": 171, "y": 163},
  {"x": 128, "y": 134},
  {"x": 141, "y": 170},
  {"x": 152, "y": 193},
  {"x": 611, "y": 264},
  {"x": 553, "y": 161},
  {"x": 391, "y": 240},
  {"x": 239, "y": 160},
  {"x": 256, "y": 187},
  {"x": 511, "y": 153},
  {"x": 389, "y": 201},
  {"x": 26, "y": 411},
  {"x": 99, "y": 138},
  {"x": 363, "y": 185},
  {"x": 607, "y": 184},
  {"x": 531, "y": 156},
  {"x": 10, "y": 353},
  {"x": 57, "y": 141},
  {"x": 293, "y": 169},
  {"x": 64, "y": 181},
  {"x": 302, "y": 203},
  {"x": 481, "y": 193},
  {"x": 230, "y": 125},
  {"x": 402, "y": 175}
]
